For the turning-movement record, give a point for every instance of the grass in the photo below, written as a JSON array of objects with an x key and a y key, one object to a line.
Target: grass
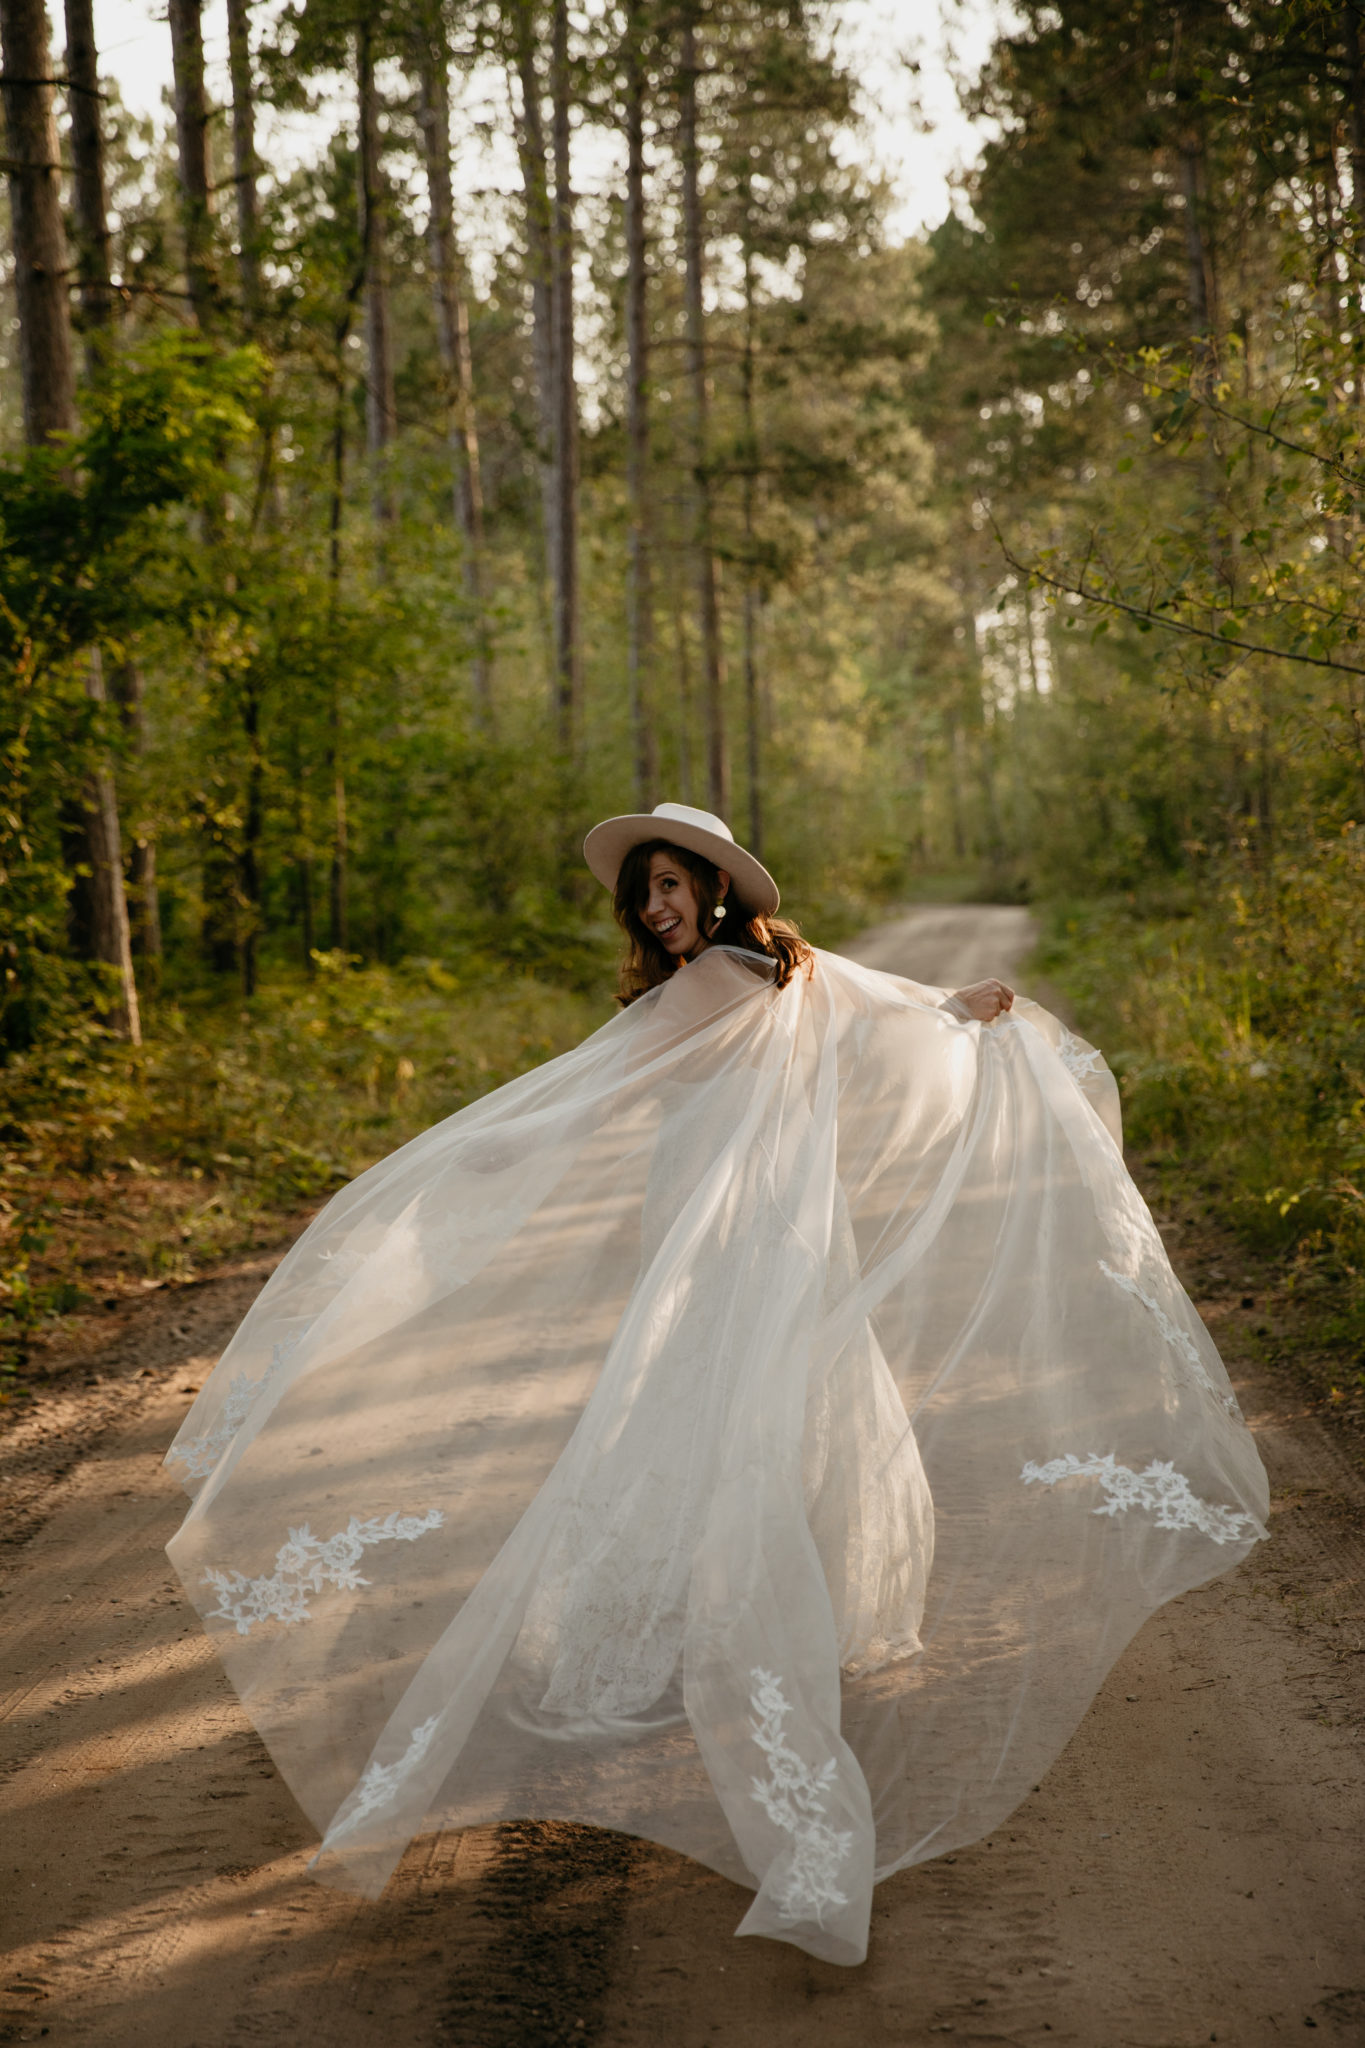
[
  {"x": 1234, "y": 1018},
  {"x": 123, "y": 1169}
]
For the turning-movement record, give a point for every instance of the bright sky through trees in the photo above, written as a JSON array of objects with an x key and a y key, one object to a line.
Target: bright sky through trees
[{"x": 907, "y": 54}]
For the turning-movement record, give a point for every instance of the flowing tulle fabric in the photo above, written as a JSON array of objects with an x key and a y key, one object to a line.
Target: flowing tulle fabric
[{"x": 759, "y": 1429}]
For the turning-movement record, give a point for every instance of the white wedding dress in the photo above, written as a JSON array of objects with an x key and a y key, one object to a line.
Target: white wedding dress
[{"x": 759, "y": 1429}]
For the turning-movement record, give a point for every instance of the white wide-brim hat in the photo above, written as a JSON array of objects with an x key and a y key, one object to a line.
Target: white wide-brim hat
[{"x": 607, "y": 845}]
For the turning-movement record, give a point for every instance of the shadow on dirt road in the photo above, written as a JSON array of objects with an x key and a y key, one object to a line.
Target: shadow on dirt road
[{"x": 1189, "y": 1870}]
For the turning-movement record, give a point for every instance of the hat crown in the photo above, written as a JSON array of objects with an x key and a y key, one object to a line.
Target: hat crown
[{"x": 701, "y": 821}]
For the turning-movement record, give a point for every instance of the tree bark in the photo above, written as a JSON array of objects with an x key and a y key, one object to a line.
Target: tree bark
[
  {"x": 192, "y": 145},
  {"x": 452, "y": 336},
  {"x": 48, "y": 382},
  {"x": 253, "y": 825},
  {"x": 568, "y": 676},
  {"x": 703, "y": 539},
  {"x": 145, "y": 908},
  {"x": 531, "y": 152},
  {"x": 39, "y": 241},
  {"x": 1355, "y": 109},
  {"x": 639, "y": 594},
  {"x": 1201, "y": 273},
  {"x": 380, "y": 405},
  {"x": 88, "y": 190},
  {"x": 110, "y": 939},
  {"x": 753, "y": 709},
  {"x": 335, "y": 762},
  {"x": 244, "y": 163}
]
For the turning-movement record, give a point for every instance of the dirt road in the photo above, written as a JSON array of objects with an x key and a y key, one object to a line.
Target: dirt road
[{"x": 1190, "y": 1869}]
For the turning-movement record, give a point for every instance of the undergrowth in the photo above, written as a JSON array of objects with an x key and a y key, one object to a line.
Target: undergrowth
[
  {"x": 124, "y": 1168},
  {"x": 1234, "y": 1017}
]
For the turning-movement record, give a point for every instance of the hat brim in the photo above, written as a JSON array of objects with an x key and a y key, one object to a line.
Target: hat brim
[{"x": 607, "y": 845}]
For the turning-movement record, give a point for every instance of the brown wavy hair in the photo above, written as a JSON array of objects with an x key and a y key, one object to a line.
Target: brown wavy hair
[{"x": 646, "y": 964}]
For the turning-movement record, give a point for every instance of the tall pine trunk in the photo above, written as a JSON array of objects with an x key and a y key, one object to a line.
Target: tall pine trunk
[
  {"x": 244, "y": 164},
  {"x": 452, "y": 336},
  {"x": 380, "y": 405},
  {"x": 639, "y": 594},
  {"x": 47, "y": 376},
  {"x": 753, "y": 704},
  {"x": 97, "y": 301},
  {"x": 192, "y": 149},
  {"x": 568, "y": 677},
  {"x": 703, "y": 535},
  {"x": 90, "y": 203},
  {"x": 40, "y": 254},
  {"x": 338, "y": 890},
  {"x": 1355, "y": 114},
  {"x": 535, "y": 177}
]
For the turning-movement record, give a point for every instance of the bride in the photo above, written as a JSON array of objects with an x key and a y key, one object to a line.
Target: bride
[{"x": 759, "y": 1429}]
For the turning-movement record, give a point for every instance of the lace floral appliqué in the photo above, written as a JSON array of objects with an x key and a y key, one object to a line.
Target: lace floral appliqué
[
  {"x": 794, "y": 1798},
  {"x": 379, "y": 1782},
  {"x": 307, "y": 1563},
  {"x": 1081, "y": 1061},
  {"x": 1178, "y": 1339},
  {"x": 1160, "y": 1488},
  {"x": 201, "y": 1453}
]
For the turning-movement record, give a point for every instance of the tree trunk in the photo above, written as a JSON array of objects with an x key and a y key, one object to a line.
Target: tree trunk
[
  {"x": 540, "y": 271},
  {"x": 380, "y": 406},
  {"x": 708, "y": 595},
  {"x": 639, "y": 594},
  {"x": 49, "y": 396},
  {"x": 1201, "y": 273},
  {"x": 568, "y": 678},
  {"x": 192, "y": 144},
  {"x": 1355, "y": 71},
  {"x": 145, "y": 908},
  {"x": 340, "y": 889},
  {"x": 684, "y": 666},
  {"x": 39, "y": 241},
  {"x": 753, "y": 710},
  {"x": 244, "y": 164},
  {"x": 335, "y": 763},
  {"x": 88, "y": 184},
  {"x": 249, "y": 867},
  {"x": 452, "y": 335},
  {"x": 110, "y": 940}
]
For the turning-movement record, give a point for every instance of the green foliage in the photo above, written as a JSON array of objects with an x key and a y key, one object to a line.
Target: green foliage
[
  {"x": 121, "y": 1166},
  {"x": 158, "y": 428},
  {"x": 1236, "y": 1021},
  {"x": 1041, "y": 543}
]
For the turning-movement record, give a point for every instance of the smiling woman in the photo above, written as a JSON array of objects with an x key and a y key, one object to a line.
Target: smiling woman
[
  {"x": 759, "y": 1429},
  {"x": 673, "y": 898}
]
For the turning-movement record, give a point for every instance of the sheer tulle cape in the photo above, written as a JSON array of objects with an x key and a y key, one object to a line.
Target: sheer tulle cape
[{"x": 759, "y": 1429}]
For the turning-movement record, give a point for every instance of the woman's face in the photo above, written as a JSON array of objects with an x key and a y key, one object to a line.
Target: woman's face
[{"x": 671, "y": 909}]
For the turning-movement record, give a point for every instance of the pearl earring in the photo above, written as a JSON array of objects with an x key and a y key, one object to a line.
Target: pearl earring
[{"x": 719, "y": 910}]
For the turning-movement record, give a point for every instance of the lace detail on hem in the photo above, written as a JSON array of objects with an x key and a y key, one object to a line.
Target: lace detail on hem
[
  {"x": 379, "y": 1782},
  {"x": 1159, "y": 1489},
  {"x": 1081, "y": 1061},
  {"x": 201, "y": 1453},
  {"x": 794, "y": 1796},
  {"x": 1178, "y": 1339},
  {"x": 305, "y": 1564}
]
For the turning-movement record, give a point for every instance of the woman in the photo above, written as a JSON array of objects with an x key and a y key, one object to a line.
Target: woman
[{"x": 759, "y": 1429}]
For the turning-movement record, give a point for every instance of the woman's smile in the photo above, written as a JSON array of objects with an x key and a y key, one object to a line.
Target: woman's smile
[{"x": 672, "y": 909}]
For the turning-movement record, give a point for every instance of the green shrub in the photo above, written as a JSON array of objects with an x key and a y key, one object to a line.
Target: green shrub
[{"x": 1235, "y": 1018}]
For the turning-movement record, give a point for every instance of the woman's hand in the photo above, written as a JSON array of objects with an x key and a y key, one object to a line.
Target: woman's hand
[{"x": 985, "y": 1000}]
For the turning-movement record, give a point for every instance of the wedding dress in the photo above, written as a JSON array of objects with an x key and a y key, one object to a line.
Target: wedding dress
[{"x": 759, "y": 1430}]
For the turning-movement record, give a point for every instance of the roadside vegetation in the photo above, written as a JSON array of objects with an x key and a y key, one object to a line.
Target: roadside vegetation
[{"x": 369, "y": 525}]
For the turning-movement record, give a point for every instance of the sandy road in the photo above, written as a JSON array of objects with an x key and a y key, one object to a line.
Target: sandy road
[{"x": 1189, "y": 1870}]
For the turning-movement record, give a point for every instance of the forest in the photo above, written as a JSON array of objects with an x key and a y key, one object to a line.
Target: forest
[{"x": 362, "y": 541}]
